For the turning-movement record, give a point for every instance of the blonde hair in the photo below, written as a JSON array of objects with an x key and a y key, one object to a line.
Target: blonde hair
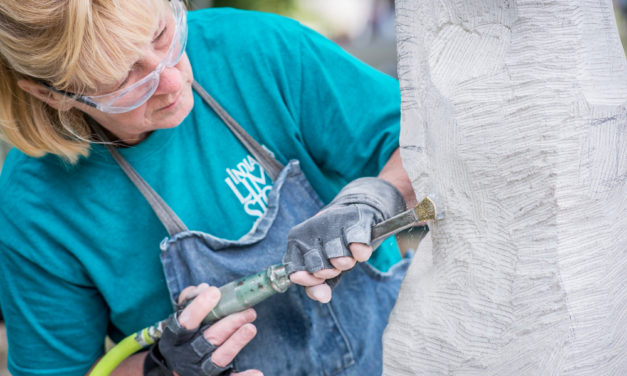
[{"x": 73, "y": 45}]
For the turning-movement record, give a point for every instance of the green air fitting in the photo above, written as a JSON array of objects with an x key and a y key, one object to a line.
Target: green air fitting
[{"x": 248, "y": 291}]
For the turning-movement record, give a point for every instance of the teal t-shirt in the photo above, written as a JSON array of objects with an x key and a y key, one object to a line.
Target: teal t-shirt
[{"x": 79, "y": 245}]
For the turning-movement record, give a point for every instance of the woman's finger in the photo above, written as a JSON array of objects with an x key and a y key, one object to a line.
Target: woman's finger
[
  {"x": 327, "y": 273},
  {"x": 199, "y": 308},
  {"x": 321, "y": 293},
  {"x": 304, "y": 278},
  {"x": 360, "y": 251},
  {"x": 343, "y": 263},
  {"x": 219, "y": 332},
  {"x": 250, "y": 372},
  {"x": 190, "y": 292},
  {"x": 225, "y": 354}
]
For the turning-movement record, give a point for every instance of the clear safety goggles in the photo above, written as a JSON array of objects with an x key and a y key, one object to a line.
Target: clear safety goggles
[{"x": 129, "y": 98}]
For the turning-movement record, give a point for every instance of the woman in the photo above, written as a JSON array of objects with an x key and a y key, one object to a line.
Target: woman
[{"x": 116, "y": 150}]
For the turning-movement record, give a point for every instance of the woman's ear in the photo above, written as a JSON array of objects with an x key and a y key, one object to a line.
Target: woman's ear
[{"x": 45, "y": 95}]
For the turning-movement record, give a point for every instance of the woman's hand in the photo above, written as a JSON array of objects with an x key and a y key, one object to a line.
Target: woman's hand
[
  {"x": 317, "y": 285},
  {"x": 322, "y": 247},
  {"x": 188, "y": 349}
]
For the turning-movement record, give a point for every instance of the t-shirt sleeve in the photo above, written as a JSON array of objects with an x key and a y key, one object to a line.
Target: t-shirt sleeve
[
  {"x": 55, "y": 327},
  {"x": 349, "y": 112}
]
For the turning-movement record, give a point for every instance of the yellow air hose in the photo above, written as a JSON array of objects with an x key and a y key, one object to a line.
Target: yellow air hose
[
  {"x": 125, "y": 348},
  {"x": 236, "y": 296}
]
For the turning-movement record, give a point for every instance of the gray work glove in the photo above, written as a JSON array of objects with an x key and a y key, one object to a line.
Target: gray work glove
[
  {"x": 347, "y": 219},
  {"x": 182, "y": 350}
]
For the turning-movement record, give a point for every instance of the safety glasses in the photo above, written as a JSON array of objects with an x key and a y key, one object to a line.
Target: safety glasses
[{"x": 129, "y": 98}]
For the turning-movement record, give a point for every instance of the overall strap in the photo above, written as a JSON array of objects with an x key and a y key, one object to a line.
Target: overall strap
[
  {"x": 167, "y": 216},
  {"x": 265, "y": 159}
]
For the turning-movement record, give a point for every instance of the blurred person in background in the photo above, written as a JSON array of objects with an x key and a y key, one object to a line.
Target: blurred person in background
[{"x": 120, "y": 149}]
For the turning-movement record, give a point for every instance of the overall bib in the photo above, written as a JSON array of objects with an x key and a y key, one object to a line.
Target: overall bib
[{"x": 296, "y": 335}]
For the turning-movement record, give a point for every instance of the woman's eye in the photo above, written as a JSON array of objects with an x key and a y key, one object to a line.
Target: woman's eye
[
  {"x": 161, "y": 34},
  {"x": 125, "y": 81}
]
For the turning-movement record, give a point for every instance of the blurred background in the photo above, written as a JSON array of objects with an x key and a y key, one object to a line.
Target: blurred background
[{"x": 364, "y": 28}]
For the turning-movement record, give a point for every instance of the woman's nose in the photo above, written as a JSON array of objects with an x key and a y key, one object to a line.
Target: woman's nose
[{"x": 169, "y": 81}]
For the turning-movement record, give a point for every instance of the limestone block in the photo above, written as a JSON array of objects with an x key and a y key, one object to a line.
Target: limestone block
[{"x": 514, "y": 114}]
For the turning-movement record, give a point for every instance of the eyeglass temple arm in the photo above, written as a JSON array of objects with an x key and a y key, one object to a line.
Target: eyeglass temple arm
[{"x": 76, "y": 97}]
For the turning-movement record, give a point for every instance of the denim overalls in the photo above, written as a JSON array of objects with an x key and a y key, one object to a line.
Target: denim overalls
[{"x": 296, "y": 335}]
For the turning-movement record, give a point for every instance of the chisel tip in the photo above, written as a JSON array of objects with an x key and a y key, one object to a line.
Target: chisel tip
[{"x": 427, "y": 210}]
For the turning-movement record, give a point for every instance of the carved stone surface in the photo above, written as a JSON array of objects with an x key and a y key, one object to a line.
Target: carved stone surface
[{"x": 514, "y": 114}]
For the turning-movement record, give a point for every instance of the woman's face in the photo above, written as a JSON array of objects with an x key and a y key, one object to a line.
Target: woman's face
[{"x": 167, "y": 107}]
